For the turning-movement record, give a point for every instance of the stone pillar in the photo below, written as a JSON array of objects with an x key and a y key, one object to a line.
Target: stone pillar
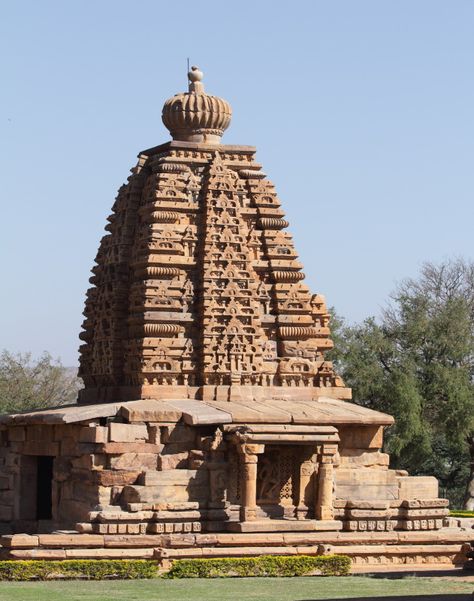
[
  {"x": 324, "y": 502},
  {"x": 249, "y": 456},
  {"x": 306, "y": 490}
]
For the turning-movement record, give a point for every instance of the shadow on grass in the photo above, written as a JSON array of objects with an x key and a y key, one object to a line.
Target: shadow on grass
[
  {"x": 444, "y": 597},
  {"x": 456, "y": 573}
]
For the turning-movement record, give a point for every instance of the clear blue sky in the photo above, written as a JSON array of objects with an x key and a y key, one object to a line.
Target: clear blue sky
[{"x": 362, "y": 112}]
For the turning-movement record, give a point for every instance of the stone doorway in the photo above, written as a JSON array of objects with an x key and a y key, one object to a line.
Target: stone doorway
[
  {"x": 44, "y": 488},
  {"x": 36, "y": 488}
]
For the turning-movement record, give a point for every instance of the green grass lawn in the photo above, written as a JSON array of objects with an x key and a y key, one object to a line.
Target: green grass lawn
[{"x": 240, "y": 589}]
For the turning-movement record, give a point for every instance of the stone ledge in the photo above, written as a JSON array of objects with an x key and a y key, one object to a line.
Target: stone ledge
[{"x": 284, "y": 526}]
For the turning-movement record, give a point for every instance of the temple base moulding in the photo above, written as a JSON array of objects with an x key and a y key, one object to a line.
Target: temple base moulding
[{"x": 285, "y": 526}]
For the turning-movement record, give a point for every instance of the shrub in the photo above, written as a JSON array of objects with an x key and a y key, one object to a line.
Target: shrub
[
  {"x": 89, "y": 569},
  {"x": 264, "y": 565}
]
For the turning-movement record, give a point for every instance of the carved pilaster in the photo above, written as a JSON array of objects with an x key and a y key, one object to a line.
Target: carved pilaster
[
  {"x": 249, "y": 457},
  {"x": 324, "y": 503},
  {"x": 307, "y": 488}
]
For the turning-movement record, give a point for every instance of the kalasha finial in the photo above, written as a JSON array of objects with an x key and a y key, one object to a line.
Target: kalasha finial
[
  {"x": 195, "y": 76},
  {"x": 195, "y": 116}
]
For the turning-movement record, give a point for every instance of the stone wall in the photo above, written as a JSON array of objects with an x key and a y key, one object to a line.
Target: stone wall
[
  {"x": 95, "y": 463},
  {"x": 131, "y": 475}
]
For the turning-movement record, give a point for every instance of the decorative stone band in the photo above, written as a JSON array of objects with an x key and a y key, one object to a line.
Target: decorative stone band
[
  {"x": 298, "y": 332},
  {"x": 173, "y": 168},
  {"x": 159, "y": 272},
  {"x": 251, "y": 174},
  {"x": 273, "y": 223},
  {"x": 288, "y": 276},
  {"x": 156, "y": 329},
  {"x": 164, "y": 217}
]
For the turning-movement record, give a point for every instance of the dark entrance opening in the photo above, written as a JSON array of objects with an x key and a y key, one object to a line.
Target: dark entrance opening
[{"x": 44, "y": 488}]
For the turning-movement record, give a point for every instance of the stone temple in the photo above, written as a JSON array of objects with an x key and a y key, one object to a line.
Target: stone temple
[{"x": 211, "y": 422}]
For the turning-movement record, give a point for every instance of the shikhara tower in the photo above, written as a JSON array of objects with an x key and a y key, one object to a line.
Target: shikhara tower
[{"x": 198, "y": 292}]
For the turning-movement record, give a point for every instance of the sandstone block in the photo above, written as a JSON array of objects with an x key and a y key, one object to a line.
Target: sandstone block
[
  {"x": 39, "y": 447},
  {"x": 37, "y": 554},
  {"x": 116, "y": 448},
  {"x": 144, "y": 494},
  {"x": 418, "y": 487},
  {"x": 366, "y": 484},
  {"x": 177, "y": 515},
  {"x": 179, "y": 485},
  {"x": 93, "y": 434},
  {"x": 19, "y": 541},
  {"x": 69, "y": 447},
  {"x": 71, "y": 540},
  {"x": 127, "y": 432},
  {"x": 355, "y": 458},
  {"x": 135, "y": 507},
  {"x": 178, "y": 447},
  {"x": 40, "y": 433},
  {"x": 88, "y": 448},
  {"x": 425, "y": 503},
  {"x": 89, "y": 462},
  {"x": 361, "y": 437},
  {"x": 131, "y": 540},
  {"x": 154, "y": 433},
  {"x": 90, "y": 494},
  {"x": 110, "y": 553},
  {"x": 72, "y": 510},
  {"x": 368, "y": 514},
  {"x": 179, "y": 540},
  {"x": 116, "y": 514},
  {"x": 84, "y": 527},
  {"x": 116, "y": 477},
  {"x": 427, "y": 512},
  {"x": 381, "y": 505},
  {"x": 173, "y": 477},
  {"x": 133, "y": 461},
  {"x": 176, "y": 506},
  {"x": 173, "y": 461},
  {"x": 16, "y": 434},
  {"x": 178, "y": 433},
  {"x": 150, "y": 411}
]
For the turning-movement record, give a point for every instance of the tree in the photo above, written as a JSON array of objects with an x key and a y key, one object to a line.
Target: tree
[
  {"x": 417, "y": 363},
  {"x": 27, "y": 384}
]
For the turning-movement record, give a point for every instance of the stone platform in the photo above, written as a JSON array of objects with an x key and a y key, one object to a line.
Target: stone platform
[{"x": 443, "y": 549}]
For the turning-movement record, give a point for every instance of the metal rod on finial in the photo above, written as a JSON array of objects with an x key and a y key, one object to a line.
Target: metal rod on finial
[{"x": 187, "y": 70}]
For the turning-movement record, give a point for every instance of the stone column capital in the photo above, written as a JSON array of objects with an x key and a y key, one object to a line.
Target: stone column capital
[{"x": 250, "y": 451}]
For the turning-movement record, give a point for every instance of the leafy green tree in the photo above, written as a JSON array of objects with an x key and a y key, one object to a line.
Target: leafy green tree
[
  {"x": 27, "y": 383},
  {"x": 417, "y": 363}
]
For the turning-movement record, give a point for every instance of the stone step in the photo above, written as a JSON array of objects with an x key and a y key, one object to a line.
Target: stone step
[
  {"x": 81, "y": 553},
  {"x": 284, "y": 526}
]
